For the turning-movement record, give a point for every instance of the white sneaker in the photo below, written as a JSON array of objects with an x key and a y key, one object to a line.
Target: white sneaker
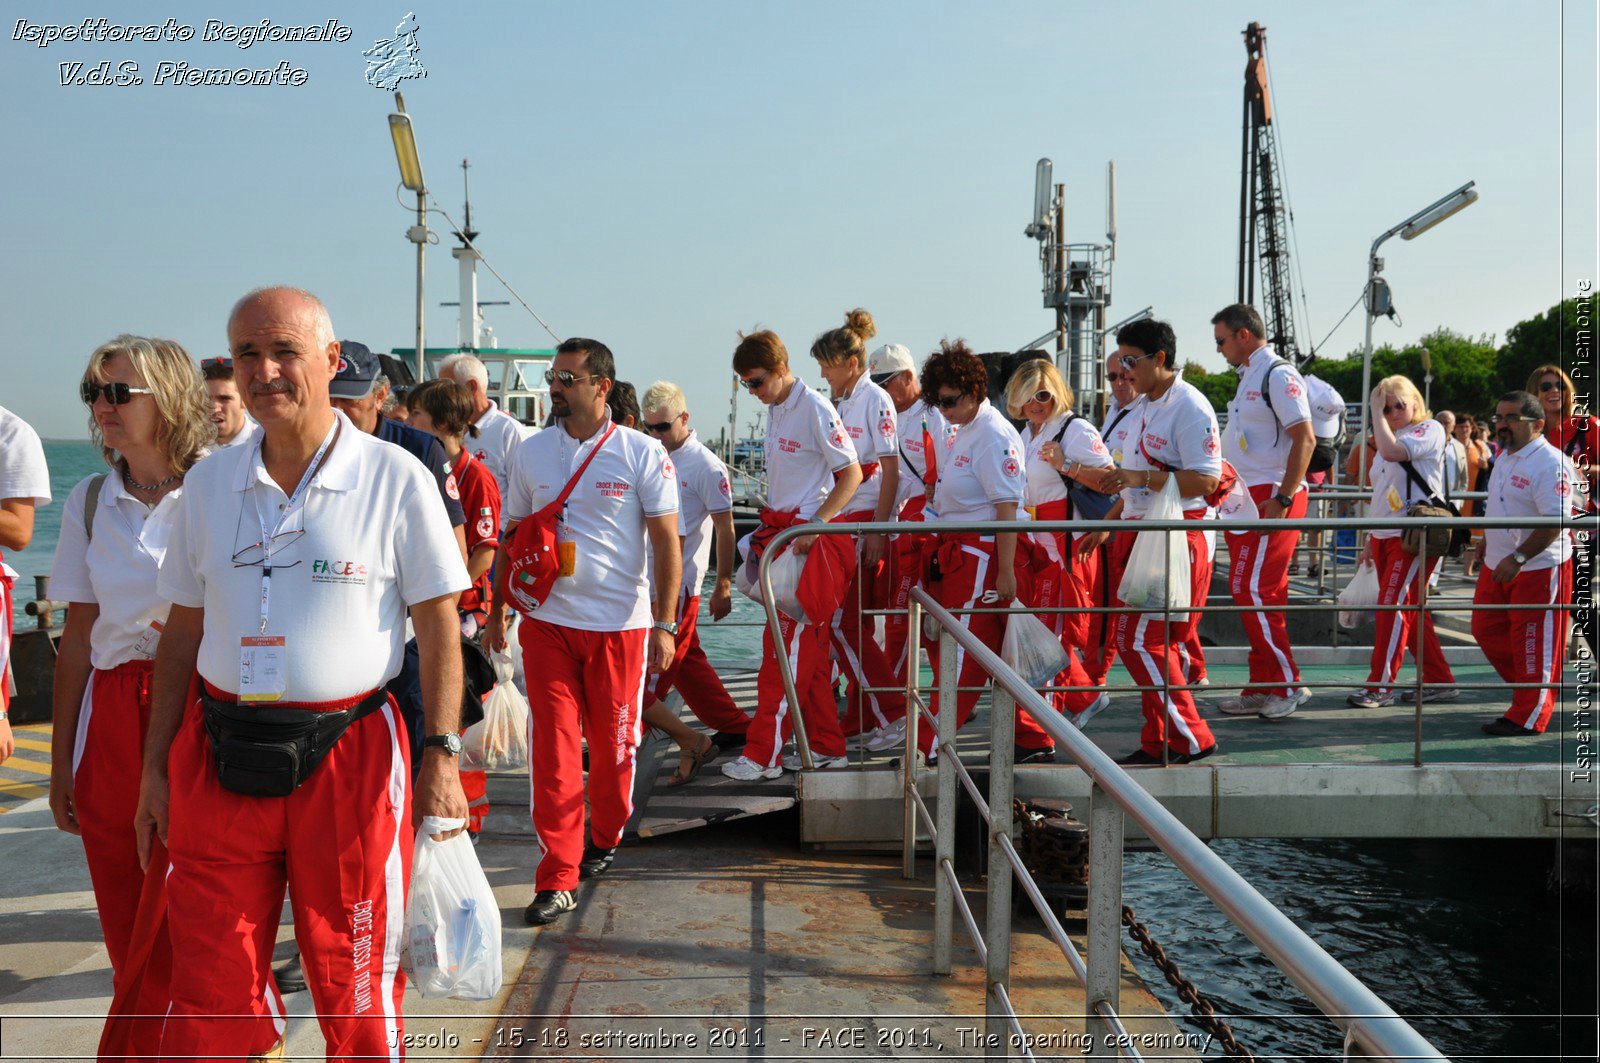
[
  {"x": 1202, "y": 682},
  {"x": 1094, "y": 708},
  {"x": 1245, "y": 705},
  {"x": 1302, "y": 695},
  {"x": 860, "y": 741},
  {"x": 887, "y": 737},
  {"x": 818, "y": 762},
  {"x": 746, "y": 770},
  {"x": 1276, "y": 708}
]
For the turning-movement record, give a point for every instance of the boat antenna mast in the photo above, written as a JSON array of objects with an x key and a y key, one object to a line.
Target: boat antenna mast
[
  {"x": 1077, "y": 283},
  {"x": 1264, "y": 217},
  {"x": 470, "y": 329}
]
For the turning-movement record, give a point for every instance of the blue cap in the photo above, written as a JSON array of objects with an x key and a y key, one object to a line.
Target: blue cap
[{"x": 358, "y": 369}]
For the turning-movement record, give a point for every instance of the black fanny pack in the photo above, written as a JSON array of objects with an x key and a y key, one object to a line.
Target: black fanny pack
[{"x": 266, "y": 752}]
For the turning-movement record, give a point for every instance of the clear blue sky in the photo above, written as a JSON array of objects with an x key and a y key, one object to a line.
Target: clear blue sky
[{"x": 660, "y": 175}]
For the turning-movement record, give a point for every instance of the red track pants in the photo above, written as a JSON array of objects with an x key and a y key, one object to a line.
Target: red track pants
[
  {"x": 342, "y": 844},
  {"x": 1056, "y": 587},
  {"x": 904, "y": 570},
  {"x": 1258, "y": 577},
  {"x": 1149, "y": 648},
  {"x": 1525, "y": 645},
  {"x": 5, "y": 639},
  {"x": 807, "y": 649},
  {"x": 1100, "y": 649},
  {"x": 588, "y": 685},
  {"x": 967, "y": 581},
  {"x": 855, "y": 648},
  {"x": 1399, "y": 576},
  {"x": 694, "y": 677}
]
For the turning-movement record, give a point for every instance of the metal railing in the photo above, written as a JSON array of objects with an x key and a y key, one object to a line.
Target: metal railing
[
  {"x": 1420, "y": 604},
  {"x": 1369, "y": 1025}
]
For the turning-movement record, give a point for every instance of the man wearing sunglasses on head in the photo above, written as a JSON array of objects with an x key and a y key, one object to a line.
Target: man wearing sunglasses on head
[
  {"x": 1269, "y": 443},
  {"x": 609, "y": 496},
  {"x": 274, "y": 755}
]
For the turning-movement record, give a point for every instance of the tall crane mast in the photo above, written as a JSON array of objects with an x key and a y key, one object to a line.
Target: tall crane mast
[{"x": 1263, "y": 211}]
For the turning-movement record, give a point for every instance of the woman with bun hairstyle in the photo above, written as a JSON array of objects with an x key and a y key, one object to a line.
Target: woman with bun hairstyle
[
  {"x": 151, "y": 418},
  {"x": 1058, "y": 447},
  {"x": 1403, "y": 432},
  {"x": 868, "y": 416},
  {"x": 980, "y": 479},
  {"x": 812, "y": 473}
]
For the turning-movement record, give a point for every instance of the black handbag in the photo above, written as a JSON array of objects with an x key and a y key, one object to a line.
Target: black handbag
[{"x": 1441, "y": 542}]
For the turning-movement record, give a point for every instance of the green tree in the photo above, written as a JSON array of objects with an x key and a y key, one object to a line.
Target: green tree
[
  {"x": 1465, "y": 374},
  {"x": 1219, "y": 388},
  {"x": 1546, "y": 339}
]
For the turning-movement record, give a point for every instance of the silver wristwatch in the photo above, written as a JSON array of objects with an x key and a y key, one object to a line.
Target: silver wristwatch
[
  {"x": 1519, "y": 557},
  {"x": 669, "y": 626}
]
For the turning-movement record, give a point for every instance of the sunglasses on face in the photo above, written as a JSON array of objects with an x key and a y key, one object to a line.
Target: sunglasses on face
[
  {"x": 1223, "y": 339},
  {"x": 1513, "y": 418},
  {"x": 1130, "y": 360},
  {"x": 755, "y": 384},
  {"x": 1114, "y": 377},
  {"x": 1043, "y": 397},
  {"x": 1397, "y": 407},
  {"x": 566, "y": 377},
  {"x": 116, "y": 394},
  {"x": 948, "y": 402},
  {"x": 659, "y": 427},
  {"x": 1552, "y": 385}
]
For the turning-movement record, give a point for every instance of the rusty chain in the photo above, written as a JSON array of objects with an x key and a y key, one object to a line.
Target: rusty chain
[{"x": 1199, "y": 1006}]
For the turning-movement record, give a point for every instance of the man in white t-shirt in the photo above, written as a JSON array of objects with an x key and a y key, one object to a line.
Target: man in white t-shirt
[
  {"x": 1269, "y": 442},
  {"x": 1531, "y": 478},
  {"x": 292, "y": 565},
  {"x": 24, "y": 485},
  {"x": 590, "y": 643},
  {"x": 705, "y": 502},
  {"x": 498, "y": 431},
  {"x": 234, "y": 425}
]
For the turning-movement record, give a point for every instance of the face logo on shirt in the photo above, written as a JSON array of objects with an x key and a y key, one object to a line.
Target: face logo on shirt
[
  {"x": 349, "y": 573},
  {"x": 485, "y": 527},
  {"x": 450, "y": 487}
]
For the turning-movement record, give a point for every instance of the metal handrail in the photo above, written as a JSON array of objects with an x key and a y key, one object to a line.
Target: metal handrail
[{"x": 1366, "y": 1019}]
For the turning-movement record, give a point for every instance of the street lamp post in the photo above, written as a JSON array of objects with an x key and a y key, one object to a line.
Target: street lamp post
[
  {"x": 405, "y": 152},
  {"x": 1427, "y": 377},
  {"x": 1377, "y": 292}
]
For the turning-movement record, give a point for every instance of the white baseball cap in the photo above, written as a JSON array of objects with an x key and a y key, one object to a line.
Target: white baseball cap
[{"x": 889, "y": 359}]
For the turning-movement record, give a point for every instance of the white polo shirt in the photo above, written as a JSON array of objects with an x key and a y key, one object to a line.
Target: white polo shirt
[
  {"x": 245, "y": 434},
  {"x": 376, "y": 542},
  {"x": 1392, "y": 490},
  {"x": 1080, "y": 442},
  {"x": 499, "y": 435},
  {"x": 630, "y": 479},
  {"x": 23, "y": 473},
  {"x": 1178, "y": 430},
  {"x": 1327, "y": 407},
  {"x": 909, "y": 426},
  {"x": 806, "y": 446},
  {"x": 1256, "y": 443},
  {"x": 1536, "y": 481},
  {"x": 869, "y": 420},
  {"x": 115, "y": 570},
  {"x": 981, "y": 467},
  {"x": 703, "y": 489},
  {"x": 1118, "y": 429}
]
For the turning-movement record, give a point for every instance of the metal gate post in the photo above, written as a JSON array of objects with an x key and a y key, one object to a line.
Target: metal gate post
[
  {"x": 944, "y": 842},
  {"x": 997, "y": 936},
  {"x": 1105, "y": 914},
  {"x": 908, "y": 821}
]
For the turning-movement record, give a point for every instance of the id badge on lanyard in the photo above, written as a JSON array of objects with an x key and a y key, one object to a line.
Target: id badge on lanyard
[{"x": 264, "y": 658}]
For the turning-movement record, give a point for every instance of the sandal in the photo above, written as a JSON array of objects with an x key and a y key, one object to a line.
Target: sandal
[{"x": 689, "y": 764}]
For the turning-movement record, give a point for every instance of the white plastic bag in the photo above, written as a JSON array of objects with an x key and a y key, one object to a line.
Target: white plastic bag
[
  {"x": 1032, "y": 650},
  {"x": 451, "y": 946},
  {"x": 786, "y": 570},
  {"x": 1237, "y": 504},
  {"x": 745, "y": 579},
  {"x": 1157, "y": 576},
  {"x": 1359, "y": 595},
  {"x": 499, "y": 741}
]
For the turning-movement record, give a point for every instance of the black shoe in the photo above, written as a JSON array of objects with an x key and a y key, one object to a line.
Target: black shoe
[
  {"x": 727, "y": 739},
  {"x": 1504, "y": 728},
  {"x": 1023, "y": 755},
  {"x": 289, "y": 976},
  {"x": 548, "y": 906},
  {"x": 1138, "y": 757},
  {"x": 1190, "y": 758},
  {"x": 596, "y": 861}
]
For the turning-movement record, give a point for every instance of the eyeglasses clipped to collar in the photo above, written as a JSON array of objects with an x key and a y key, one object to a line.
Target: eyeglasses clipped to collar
[{"x": 117, "y": 394}]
